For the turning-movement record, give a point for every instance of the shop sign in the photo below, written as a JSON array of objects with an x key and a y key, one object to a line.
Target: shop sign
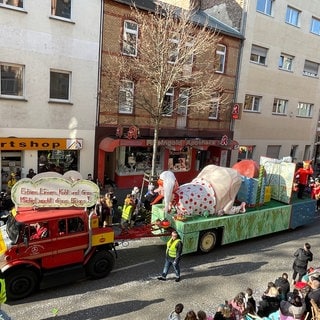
[
  {"x": 56, "y": 191},
  {"x": 132, "y": 132},
  {"x": 225, "y": 142},
  {"x": 40, "y": 144}
]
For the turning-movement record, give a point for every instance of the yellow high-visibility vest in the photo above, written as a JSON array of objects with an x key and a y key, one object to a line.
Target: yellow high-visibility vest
[
  {"x": 171, "y": 248},
  {"x": 3, "y": 294}
]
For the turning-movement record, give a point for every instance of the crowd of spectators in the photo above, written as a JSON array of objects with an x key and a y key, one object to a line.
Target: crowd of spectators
[{"x": 279, "y": 301}]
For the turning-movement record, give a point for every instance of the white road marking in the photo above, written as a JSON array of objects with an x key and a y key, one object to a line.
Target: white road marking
[{"x": 134, "y": 265}]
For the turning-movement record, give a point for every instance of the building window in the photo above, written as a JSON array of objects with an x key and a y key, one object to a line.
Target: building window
[
  {"x": 285, "y": 62},
  {"x": 167, "y": 106},
  {"x": 252, "y": 103},
  {"x": 12, "y": 80},
  {"x": 315, "y": 26},
  {"x": 182, "y": 109},
  {"x": 307, "y": 152},
  {"x": 59, "y": 161},
  {"x": 214, "y": 106},
  {"x": 179, "y": 160},
  {"x": 137, "y": 159},
  {"x": 173, "y": 48},
  {"x": 126, "y": 94},
  {"x": 258, "y": 54},
  {"x": 280, "y": 106},
  {"x": 12, "y": 3},
  {"x": 60, "y": 85},
  {"x": 293, "y": 16},
  {"x": 293, "y": 151},
  {"x": 273, "y": 151},
  {"x": 130, "y": 38},
  {"x": 245, "y": 152},
  {"x": 221, "y": 58},
  {"x": 187, "y": 53},
  {"x": 305, "y": 109},
  {"x": 61, "y": 8},
  {"x": 310, "y": 68},
  {"x": 265, "y": 6}
]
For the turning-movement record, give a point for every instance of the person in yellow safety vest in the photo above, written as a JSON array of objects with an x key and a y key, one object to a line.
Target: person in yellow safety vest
[
  {"x": 3, "y": 299},
  {"x": 12, "y": 181},
  {"x": 3, "y": 294},
  {"x": 173, "y": 256},
  {"x": 127, "y": 211}
]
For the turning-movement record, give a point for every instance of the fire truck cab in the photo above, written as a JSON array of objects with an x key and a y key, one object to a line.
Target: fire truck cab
[{"x": 41, "y": 246}]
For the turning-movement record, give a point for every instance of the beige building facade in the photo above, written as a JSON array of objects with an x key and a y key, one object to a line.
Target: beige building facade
[
  {"x": 278, "y": 82},
  {"x": 49, "y": 60}
]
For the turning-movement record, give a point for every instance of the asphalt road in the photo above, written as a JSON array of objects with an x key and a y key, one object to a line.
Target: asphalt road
[{"x": 132, "y": 290}]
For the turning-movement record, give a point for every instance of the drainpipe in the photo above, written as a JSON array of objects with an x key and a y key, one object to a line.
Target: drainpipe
[
  {"x": 95, "y": 167},
  {"x": 242, "y": 31}
]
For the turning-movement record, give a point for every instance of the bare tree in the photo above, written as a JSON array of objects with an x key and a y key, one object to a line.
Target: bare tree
[{"x": 175, "y": 50}]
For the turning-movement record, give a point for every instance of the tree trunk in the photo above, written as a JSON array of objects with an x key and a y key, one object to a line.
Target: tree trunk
[{"x": 154, "y": 152}]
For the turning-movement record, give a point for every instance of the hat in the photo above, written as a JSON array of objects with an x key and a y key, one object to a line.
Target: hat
[
  {"x": 300, "y": 285},
  {"x": 273, "y": 292}
]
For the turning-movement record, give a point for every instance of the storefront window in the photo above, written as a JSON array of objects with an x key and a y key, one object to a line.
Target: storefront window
[
  {"x": 179, "y": 160},
  {"x": 136, "y": 159},
  {"x": 59, "y": 161}
]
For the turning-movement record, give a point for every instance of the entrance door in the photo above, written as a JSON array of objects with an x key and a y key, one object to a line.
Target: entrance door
[
  {"x": 110, "y": 164},
  {"x": 10, "y": 163}
]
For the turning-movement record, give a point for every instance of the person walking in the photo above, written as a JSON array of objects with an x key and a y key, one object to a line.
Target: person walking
[
  {"x": 173, "y": 257},
  {"x": 300, "y": 264}
]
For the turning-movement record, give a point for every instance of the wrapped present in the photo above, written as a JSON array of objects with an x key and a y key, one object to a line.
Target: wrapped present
[
  {"x": 252, "y": 191},
  {"x": 267, "y": 194}
]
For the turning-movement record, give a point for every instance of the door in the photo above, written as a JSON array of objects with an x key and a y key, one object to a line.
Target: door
[{"x": 10, "y": 163}]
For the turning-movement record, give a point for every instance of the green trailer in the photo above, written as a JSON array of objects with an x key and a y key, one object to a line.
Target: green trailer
[{"x": 204, "y": 233}]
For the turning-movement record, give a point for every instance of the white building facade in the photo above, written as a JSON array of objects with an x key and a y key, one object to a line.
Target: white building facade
[
  {"x": 49, "y": 67},
  {"x": 278, "y": 87}
]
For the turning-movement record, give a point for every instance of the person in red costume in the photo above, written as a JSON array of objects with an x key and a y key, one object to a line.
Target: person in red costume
[{"x": 303, "y": 175}]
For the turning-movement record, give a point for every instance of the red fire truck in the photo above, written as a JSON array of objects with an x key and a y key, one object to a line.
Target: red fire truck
[{"x": 50, "y": 236}]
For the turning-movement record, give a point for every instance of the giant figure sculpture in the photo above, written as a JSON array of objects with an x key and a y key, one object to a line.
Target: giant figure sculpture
[{"x": 212, "y": 192}]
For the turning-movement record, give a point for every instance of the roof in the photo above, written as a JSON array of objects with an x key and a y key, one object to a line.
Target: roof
[
  {"x": 200, "y": 17},
  {"x": 28, "y": 215}
]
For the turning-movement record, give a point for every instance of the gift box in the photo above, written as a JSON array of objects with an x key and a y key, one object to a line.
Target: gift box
[
  {"x": 267, "y": 194},
  {"x": 252, "y": 191}
]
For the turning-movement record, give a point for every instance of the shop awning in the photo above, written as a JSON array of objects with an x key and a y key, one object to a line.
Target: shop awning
[{"x": 109, "y": 144}]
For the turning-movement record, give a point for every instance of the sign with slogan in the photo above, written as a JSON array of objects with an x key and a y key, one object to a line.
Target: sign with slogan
[
  {"x": 40, "y": 144},
  {"x": 51, "y": 189}
]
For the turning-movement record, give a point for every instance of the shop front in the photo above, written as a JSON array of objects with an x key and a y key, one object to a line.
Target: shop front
[
  {"x": 19, "y": 155},
  {"x": 125, "y": 161}
]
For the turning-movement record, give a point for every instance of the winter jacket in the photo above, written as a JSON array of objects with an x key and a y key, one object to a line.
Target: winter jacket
[
  {"x": 283, "y": 286},
  {"x": 300, "y": 263}
]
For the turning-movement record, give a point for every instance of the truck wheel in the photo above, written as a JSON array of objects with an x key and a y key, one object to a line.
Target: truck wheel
[
  {"x": 100, "y": 265},
  {"x": 20, "y": 284},
  {"x": 208, "y": 241}
]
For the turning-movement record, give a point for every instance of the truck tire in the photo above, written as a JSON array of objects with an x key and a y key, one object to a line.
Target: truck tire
[
  {"x": 100, "y": 264},
  {"x": 208, "y": 240},
  {"x": 20, "y": 283}
]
